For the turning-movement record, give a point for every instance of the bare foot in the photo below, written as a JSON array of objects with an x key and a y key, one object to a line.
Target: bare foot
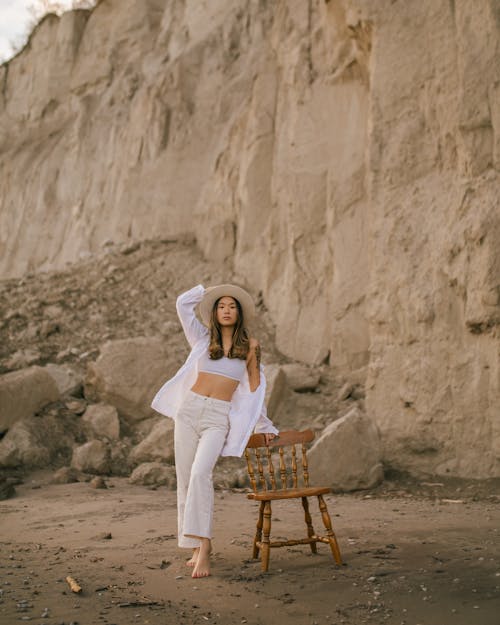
[
  {"x": 202, "y": 566},
  {"x": 194, "y": 557}
]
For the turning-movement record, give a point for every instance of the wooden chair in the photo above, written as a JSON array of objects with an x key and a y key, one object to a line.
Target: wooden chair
[{"x": 264, "y": 481}]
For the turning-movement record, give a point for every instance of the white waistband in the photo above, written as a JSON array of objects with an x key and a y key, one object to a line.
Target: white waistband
[{"x": 207, "y": 399}]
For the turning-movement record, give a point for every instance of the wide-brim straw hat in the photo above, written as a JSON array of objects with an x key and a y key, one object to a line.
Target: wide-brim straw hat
[{"x": 212, "y": 294}]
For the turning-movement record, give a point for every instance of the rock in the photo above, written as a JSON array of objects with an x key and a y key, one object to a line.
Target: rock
[
  {"x": 29, "y": 335},
  {"x": 143, "y": 428},
  {"x": 68, "y": 380},
  {"x": 150, "y": 473},
  {"x": 48, "y": 327},
  {"x": 239, "y": 479},
  {"x": 92, "y": 457},
  {"x": 63, "y": 354},
  {"x": 275, "y": 387},
  {"x": 35, "y": 441},
  {"x": 7, "y": 489},
  {"x": 358, "y": 392},
  {"x": 53, "y": 311},
  {"x": 345, "y": 391},
  {"x": 103, "y": 420},
  {"x": 23, "y": 393},
  {"x": 319, "y": 422},
  {"x": 158, "y": 445},
  {"x": 300, "y": 378},
  {"x": 351, "y": 390},
  {"x": 77, "y": 406},
  {"x": 65, "y": 475},
  {"x": 127, "y": 375},
  {"x": 23, "y": 358},
  {"x": 97, "y": 482},
  {"x": 347, "y": 456},
  {"x": 104, "y": 536},
  {"x": 119, "y": 457}
]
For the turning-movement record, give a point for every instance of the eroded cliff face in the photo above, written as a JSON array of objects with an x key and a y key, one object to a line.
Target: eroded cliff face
[{"x": 341, "y": 157}]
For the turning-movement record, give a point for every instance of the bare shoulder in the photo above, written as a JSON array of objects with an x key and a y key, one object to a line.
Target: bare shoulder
[
  {"x": 253, "y": 343},
  {"x": 253, "y": 351}
]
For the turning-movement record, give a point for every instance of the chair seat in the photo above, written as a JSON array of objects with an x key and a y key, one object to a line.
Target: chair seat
[{"x": 289, "y": 493}]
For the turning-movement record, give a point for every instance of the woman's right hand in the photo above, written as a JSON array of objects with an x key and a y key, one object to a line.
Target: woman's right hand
[{"x": 268, "y": 436}]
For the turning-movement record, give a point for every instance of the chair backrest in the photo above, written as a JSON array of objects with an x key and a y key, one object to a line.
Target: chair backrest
[{"x": 263, "y": 474}]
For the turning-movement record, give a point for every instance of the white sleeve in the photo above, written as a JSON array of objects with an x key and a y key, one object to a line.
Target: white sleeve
[
  {"x": 264, "y": 425},
  {"x": 185, "y": 305}
]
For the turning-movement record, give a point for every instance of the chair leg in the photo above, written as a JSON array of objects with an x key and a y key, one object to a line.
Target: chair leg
[
  {"x": 328, "y": 525},
  {"x": 310, "y": 529},
  {"x": 258, "y": 532},
  {"x": 265, "y": 540}
]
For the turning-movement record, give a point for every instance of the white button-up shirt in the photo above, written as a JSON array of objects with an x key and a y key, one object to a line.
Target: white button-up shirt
[{"x": 248, "y": 411}]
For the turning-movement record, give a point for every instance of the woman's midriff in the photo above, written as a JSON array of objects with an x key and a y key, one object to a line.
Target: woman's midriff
[{"x": 214, "y": 385}]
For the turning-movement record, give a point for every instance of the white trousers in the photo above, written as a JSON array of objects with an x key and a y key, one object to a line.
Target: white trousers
[{"x": 201, "y": 427}]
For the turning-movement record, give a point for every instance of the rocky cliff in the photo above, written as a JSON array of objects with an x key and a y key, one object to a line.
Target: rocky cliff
[{"x": 341, "y": 157}]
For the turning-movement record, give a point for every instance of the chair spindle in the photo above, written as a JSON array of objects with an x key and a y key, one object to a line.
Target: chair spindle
[
  {"x": 294, "y": 467},
  {"x": 282, "y": 468},
  {"x": 305, "y": 467},
  {"x": 260, "y": 468},
  {"x": 270, "y": 466},
  {"x": 251, "y": 472}
]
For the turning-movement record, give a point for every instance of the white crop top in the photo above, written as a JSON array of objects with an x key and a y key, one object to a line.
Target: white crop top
[{"x": 233, "y": 368}]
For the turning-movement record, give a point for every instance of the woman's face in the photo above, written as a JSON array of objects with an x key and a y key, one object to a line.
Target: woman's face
[{"x": 227, "y": 311}]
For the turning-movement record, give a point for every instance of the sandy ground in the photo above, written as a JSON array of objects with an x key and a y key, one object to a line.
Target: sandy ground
[{"x": 409, "y": 560}]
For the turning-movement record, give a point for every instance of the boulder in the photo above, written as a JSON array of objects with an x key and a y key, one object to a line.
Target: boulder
[
  {"x": 143, "y": 428},
  {"x": 300, "y": 378},
  {"x": 23, "y": 393},
  {"x": 127, "y": 375},
  {"x": 68, "y": 380},
  {"x": 103, "y": 421},
  {"x": 154, "y": 473},
  {"x": 98, "y": 482},
  {"x": 36, "y": 441},
  {"x": 119, "y": 458},
  {"x": 92, "y": 457},
  {"x": 275, "y": 387},
  {"x": 7, "y": 489},
  {"x": 65, "y": 475},
  {"x": 158, "y": 445},
  {"x": 347, "y": 456}
]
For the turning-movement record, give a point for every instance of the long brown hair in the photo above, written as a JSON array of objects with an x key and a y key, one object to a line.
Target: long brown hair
[{"x": 240, "y": 342}]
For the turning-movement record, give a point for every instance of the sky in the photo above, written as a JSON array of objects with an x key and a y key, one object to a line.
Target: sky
[{"x": 14, "y": 17}]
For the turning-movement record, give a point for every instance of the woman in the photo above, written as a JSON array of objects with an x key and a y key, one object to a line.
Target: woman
[{"x": 217, "y": 400}]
